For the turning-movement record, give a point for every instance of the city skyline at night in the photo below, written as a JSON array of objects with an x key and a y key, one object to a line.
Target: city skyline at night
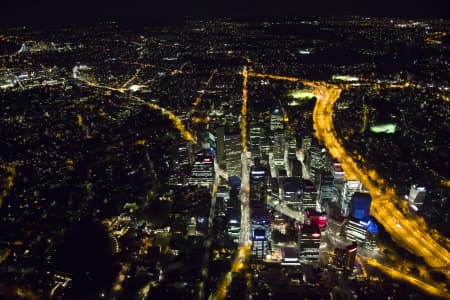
[{"x": 227, "y": 151}]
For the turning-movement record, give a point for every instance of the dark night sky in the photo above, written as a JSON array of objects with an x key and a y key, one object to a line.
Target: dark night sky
[{"x": 69, "y": 11}]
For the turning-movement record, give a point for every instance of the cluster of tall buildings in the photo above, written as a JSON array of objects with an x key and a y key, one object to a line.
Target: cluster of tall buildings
[
  {"x": 305, "y": 184},
  {"x": 259, "y": 215}
]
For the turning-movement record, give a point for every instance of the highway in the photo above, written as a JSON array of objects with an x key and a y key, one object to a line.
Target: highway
[
  {"x": 420, "y": 239},
  {"x": 384, "y": 200}
]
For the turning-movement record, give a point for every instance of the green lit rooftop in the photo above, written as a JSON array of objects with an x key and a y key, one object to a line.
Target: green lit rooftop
[
  {"x": 301, "y": 95},
  {"x": 384, "y": 128}
]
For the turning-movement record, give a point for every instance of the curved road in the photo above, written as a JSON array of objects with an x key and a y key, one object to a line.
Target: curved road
[{"x": 411, "y": 233}]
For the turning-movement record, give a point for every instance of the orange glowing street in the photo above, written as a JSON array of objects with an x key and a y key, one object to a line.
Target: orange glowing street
[
  {"x": 384, "y": 208},
  {"x": 384, "y": 202},
  {"x": 244, "y": 109},
  {"x": 427, "y": 287},
  {"x": 243, "y": 252},
  {"x": 224, "y": 151}
]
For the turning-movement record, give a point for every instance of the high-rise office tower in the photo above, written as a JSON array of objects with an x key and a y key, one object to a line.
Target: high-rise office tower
[
  {"x": 326, "y": 189},
  {"x": 338, "y": 173},
  {"x": 309, "y": 195},
  {"x": 362, "y": 231},
  {"x": 279, "y": 147},
  {"x": 315, "y": 161},
  {"x": 202, "y": 172},
  {"x": 360, "y": 205},
  {"x": 350, "y": 187},
  {"x": 292, "y": 148},
  {"x": 276, "y": 120},
  {"x": 344, "y": 258},
  {"x": 309, "y": 243},
  {"x": 292, "y": 193},
  {"x": 220, "y": 144},
  {"x": 233, "y": 150},
  {"x": 417, "y": 195},
  {"x": 255, "y": 135}
]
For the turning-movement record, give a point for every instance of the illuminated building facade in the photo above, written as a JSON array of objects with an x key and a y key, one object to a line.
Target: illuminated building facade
[
  {"x": 416, "y": 196},
  {"x": 276, "y": 120},
  {"x": 309, "y": 243},
  {"x": 350, "y": 187},
  {"x": 316, "y": 218},
  {"x": 184, "y": 158},
  {"x": 314, "y": 160},
  {"x": 326, "y": 189},
  {"x": 355, "y": 231},
  {"x": 258, "y": 182},
  {"x": 234, "y": 215},
  {"x": 255, "y": 135},
  {"x": 258, "y": 173},
  {"x": 309, "y": 195},
  {"x": 289, "y": 256},
  {"x": 202, "y": 172},
  {"x": 279, "y": 149},
  {"x": 360, "y": 206},
  {"x": 306, "y": 143},
  {"x": 363, "y": 231},
  {"x": 292, "y": 193},
  {"x": 260, "y": 247},
  {"x": 220, "y": 144},
  {"x": 233, "y": 150},
  {"x": 344, "y": 258},
  {"x": 273, "y": 190},
  {"x": 292, "y": 148},
  {"x": 338, "y": 173}
]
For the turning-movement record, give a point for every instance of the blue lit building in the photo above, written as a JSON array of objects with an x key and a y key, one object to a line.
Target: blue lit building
[
  {"x": 363, "y": 231},
  {"x": 360, "y": 207}
]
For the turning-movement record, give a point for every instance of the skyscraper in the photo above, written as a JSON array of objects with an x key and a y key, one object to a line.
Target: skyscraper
[
  {"x": 276, "y": 120},
  {"x": 360, "y": 207},
  {"x": 309, "y": 195},
  {"x": 338, "y": 173},
  {"x": 417, "y": 195},
  {"x": 279, "y": 147},
  {"x": 350, "y": 187},
  {"x": 315, "y": 161},
  {"x": 292, "y": 193},
  {"x": 326, "y": 189},
  {"x": 232, "y": 149},
  {"x": 345, "y": 257},
  {"x": 309, "y": 243},
  {"x": 255, "y": 135},
  {"x": 202, "y": 172},
  {"x": 355, "y": 230},
  {"x": 292, "y": 148},
  {"x": 362, "y": 231},
  {"x": 220, "y": 141}
]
